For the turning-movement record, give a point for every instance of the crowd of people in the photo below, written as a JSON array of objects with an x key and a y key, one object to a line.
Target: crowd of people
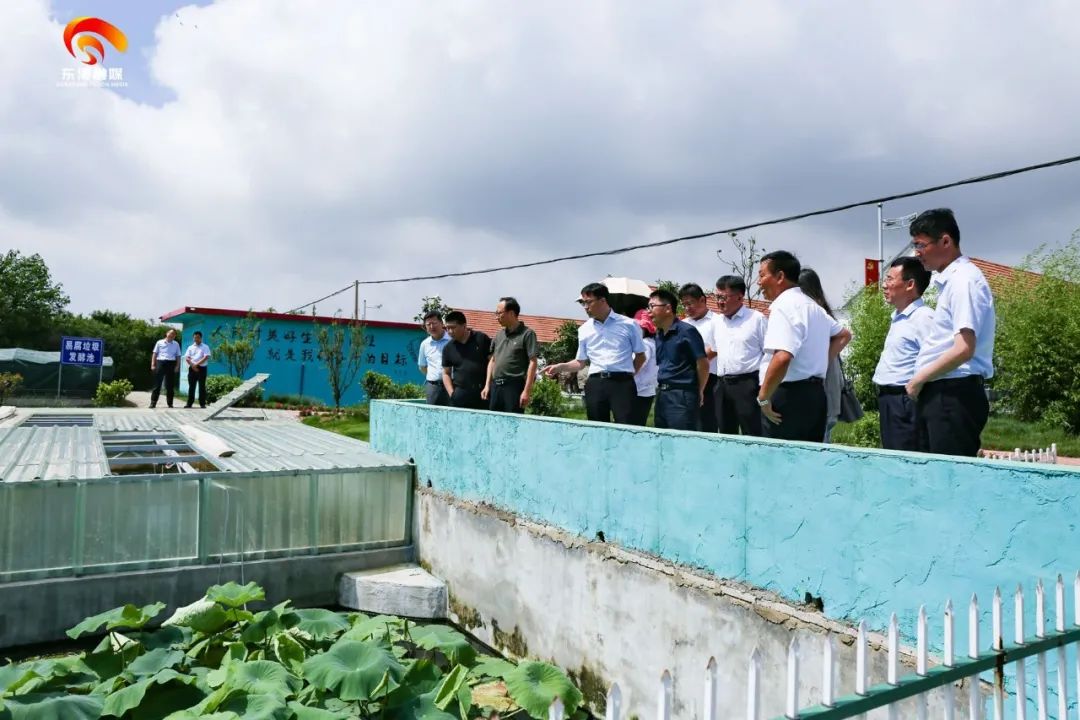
[{"x": 736, "y": 371}]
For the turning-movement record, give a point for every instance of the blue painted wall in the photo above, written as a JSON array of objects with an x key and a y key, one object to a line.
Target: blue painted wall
[
  {"x": 871, "y": 531},
  {"x": 289, "y": 351}
]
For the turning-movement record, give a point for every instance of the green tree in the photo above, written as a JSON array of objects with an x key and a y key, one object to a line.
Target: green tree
[
  {"x": 9, "y": 385},
  {"x": 870, "y": 319},
  {"x": 341, "y": 347},
  {"x": 432, "y": 303},
  {"x": 30, "y": 301},
  {"x": 236, "y": 344},
  {"x": 128, "y": 341},
  {"x": 564, "y": 347},
  {"x": 672, "y": 287},
  {"x": 1037, "y": 347}
]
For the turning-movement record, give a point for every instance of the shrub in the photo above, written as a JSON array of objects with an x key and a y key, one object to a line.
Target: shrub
[
  {"x": 218, "y": 386},
  {"x": 870, "y": 320},
  {"x": 547, "y": 399},
  {"x": 864, "y": 432},
  {"x": 113, "y": 394},
  {"x": 9, "y": 385},
  {"x": 380, "y": 387}
]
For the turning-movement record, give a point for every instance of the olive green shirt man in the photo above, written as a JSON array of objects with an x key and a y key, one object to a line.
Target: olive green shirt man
[{"x": 514, "y": 355}]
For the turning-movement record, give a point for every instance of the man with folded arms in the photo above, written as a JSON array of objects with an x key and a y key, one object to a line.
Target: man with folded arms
[
  {"x": 905, "y": 282},
  {"x": 800, "y": 342}
]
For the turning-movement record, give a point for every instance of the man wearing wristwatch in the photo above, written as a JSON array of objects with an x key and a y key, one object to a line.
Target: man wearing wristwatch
[{"x": 800, "y": 341}]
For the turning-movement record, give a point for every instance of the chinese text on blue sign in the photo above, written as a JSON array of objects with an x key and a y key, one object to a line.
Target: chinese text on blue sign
[{"x": 82, "y": 351}]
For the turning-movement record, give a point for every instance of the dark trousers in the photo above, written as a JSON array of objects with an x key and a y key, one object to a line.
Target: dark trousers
[
  {"x": 166, "y": 370},
  {"x": 677, "y": 408},
  {"x": 952, "y": 415},
  {"x": 899, "y": 420},
  {"x": 467, "y": 398},
  {"x": 642, "y": 406},
  {"x": 736, "y": 405},
  {"x": 607, "y": 397},
  {"x": 707, "y": 418},
  {"x": 435, "y": 393},
  {"x": 196, "y": 377},
  {"x": 801, "y": 406},
  {"x": 506, "y": 394}
]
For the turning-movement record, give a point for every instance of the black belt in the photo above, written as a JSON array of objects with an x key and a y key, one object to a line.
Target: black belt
[
  {"x": 953, "y": 382},
  {"x": 678, "y": 386},
  {"x": 807, "y": 381},
  {"x": 434, "y": 382},
  {"x": 505, "y": 380},
  {"x": 891, "y": 390},
  {"x": 737, "y": 378},
  {"x": 604, "y": 375}
]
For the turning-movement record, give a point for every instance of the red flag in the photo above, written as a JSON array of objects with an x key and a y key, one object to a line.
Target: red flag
[{"x": 873, "y": 271}]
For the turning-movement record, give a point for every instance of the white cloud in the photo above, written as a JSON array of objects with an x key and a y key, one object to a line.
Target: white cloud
[{"x": 373, "y": 140}]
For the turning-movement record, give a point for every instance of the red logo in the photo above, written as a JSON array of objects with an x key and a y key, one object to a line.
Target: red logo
[{"x": 81, "y": 32}]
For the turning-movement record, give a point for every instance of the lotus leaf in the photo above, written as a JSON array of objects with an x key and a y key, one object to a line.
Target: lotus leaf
[
  {"x": 352, "y": 669},
  {"x": 232, "y": 595},
  {"x": 535, "y": 685},
  {"x": 127, "y": 616}
]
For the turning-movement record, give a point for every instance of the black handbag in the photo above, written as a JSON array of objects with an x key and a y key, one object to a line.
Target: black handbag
[{"x": 850, "y": 408}]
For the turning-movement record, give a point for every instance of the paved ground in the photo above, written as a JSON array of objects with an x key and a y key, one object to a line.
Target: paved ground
[{"x": 141, "y": 399}]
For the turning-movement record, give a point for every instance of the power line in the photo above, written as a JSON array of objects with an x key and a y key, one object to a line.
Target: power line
[{"x": 739, "y": 228}]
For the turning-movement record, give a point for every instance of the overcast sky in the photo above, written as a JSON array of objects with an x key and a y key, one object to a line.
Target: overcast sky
[{"x": 267, "y": 152}]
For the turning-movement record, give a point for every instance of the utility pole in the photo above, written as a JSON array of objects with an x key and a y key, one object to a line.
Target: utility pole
[
  {"x": 356, "y": 298},
  {"x": 880, "y": 242}
]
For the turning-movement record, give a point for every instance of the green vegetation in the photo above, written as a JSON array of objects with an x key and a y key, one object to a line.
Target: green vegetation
[
  {"x": 9, "y": 385},
  {"x": 1001, "y": 433},
  {"x": 30, "y": 302},
  {"x": 547, "y": 399},
  {"x": 215, "y": 658},
  {"x": 870, "y": 320},
  {"x": 380, "y": 387},
  {"x": 564, "y": 347},
  {"x": 236, "y": 344},
  {"x": 113, "y": 394},
  {"x": 341, "y": 349},
  {"x": 353, "y": 423},
  {"x": 218, "y": 386}
]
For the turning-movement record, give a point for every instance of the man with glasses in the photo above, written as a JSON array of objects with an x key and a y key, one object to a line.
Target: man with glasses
[
  {"x": 612, "y": 346},
  {"x": 429, "y": 359},
  {"x": 956, "y": 356},
  {"x": 682, "y": 367},
  {"x": 905, "y": 283},
  {"x": 514, "y": 354},
  {"x": 738, "y": 335},
  {"x": 701, "y": 317}
]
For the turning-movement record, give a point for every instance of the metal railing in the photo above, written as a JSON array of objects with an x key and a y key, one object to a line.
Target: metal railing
[{"x": 918, "y": 685}]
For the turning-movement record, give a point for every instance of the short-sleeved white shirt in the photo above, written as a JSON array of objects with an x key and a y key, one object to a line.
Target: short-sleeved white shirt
[
  {"x": 800, "y": 326},
  {"x": 167, "y": 350},
  {"x": 704, "y": 327},
  {"x": 430, "y": 356},
  {"x": 646, "y": 378},
  {"x": 964, "y": 301},
  {"x": 610, "y": 346},
  {"x": 738, "y": 341},
  {"x": 906, "y": 332},
  {"x": 196, "y": 352}
]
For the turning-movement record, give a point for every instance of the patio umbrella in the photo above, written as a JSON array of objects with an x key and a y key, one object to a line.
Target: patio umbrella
[{"x": 627, "y": 295}]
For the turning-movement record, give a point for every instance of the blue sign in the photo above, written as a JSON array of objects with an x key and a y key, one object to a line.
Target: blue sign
[{"x": 88, "y": 352}]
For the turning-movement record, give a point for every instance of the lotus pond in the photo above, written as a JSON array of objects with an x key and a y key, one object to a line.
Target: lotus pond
[{"x": 216, "y": 659}]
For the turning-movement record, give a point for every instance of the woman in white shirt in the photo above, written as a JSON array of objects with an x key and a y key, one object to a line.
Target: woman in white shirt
[{"x": 645, "y": 377}]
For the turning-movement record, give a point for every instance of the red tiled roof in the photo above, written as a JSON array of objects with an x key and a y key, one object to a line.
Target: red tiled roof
[
  {"x": 996, "y": 273},
  {"x": 546, "y": 328},
  {"x": 762, "y": 306}
]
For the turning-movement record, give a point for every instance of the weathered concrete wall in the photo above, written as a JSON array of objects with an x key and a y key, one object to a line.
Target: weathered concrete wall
[
  {"x": 42, "y": 610},
  {"x": 870, "y": 531},
  {"x": 610, "y": 615}
]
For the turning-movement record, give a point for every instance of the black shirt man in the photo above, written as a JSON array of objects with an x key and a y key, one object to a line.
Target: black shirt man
[{"x": 465, "y": 363}]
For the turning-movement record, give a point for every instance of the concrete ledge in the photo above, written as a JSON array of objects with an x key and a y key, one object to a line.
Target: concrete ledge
[
  {"x": 41, "y": 610},
  {"x": 405, "y": 590}
]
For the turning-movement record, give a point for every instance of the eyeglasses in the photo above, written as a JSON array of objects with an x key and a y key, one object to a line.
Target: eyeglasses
[
  {"x": 724, "y": 298},
  {"x": 919, "y": 247},
  {"x": 653, "y": 306}
]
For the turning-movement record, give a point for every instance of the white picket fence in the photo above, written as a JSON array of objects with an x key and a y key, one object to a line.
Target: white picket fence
[
  {"x": 919, "y": 684},
  {"x": 1039, "y": 455}
]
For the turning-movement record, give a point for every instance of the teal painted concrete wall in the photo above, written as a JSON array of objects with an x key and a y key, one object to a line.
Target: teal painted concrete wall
[{"x": 870, "y": 531}]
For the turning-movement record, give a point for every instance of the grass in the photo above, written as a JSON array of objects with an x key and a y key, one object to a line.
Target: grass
[
  {"x": 351, "y": 425},
  {"x": 1004, "y": 433}
]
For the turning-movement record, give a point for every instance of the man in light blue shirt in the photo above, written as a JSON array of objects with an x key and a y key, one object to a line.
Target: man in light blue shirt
[
  {"x": 430, "y": 357},
  {"x": 612, "y": 346},
  {"x": 905, "y": 282},
  {"x": 956, "y": 356}
]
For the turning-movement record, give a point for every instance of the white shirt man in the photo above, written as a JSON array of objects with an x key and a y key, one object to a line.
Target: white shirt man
[
  {"x": 197, "y": 358},
  {"x": 956, "y": 356},
  {"x": 800, "y": 341},
  {"x": 429, "y": 359},
  {"x": 698, "y": 314},
  {"x": 737, "y": 334},
  {"x": 905, "y": 281},
  {"x": 164, "y": 362}
]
